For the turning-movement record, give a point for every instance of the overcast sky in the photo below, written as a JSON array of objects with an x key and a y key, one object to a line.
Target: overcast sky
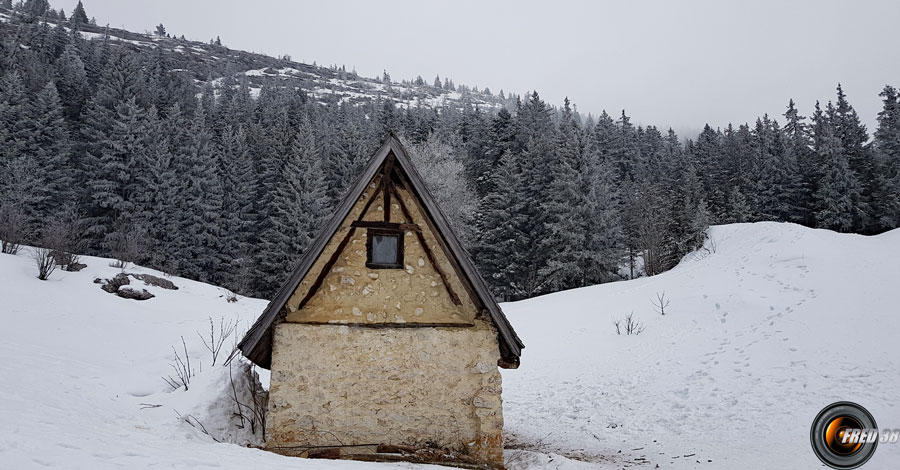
[{"x": 668, "y": 63}]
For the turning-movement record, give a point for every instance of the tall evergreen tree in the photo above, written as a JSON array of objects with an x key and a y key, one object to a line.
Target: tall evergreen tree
[
  {"x": 503, "y": 237},
  {"x": 114, "y": 185},
  {"x": 79, "y": 17},
  {"x": 47, "y": 144},
  {"x": 198, "y": 243},
  {"x": 797, "y": 155},
  {"x": 295, "y": 211},
  {"x": 853, "y": 138},
  {"x": 838, "y": 192}
]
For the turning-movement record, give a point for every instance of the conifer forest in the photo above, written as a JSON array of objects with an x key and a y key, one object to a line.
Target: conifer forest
[{"x": 112, "y": 149}]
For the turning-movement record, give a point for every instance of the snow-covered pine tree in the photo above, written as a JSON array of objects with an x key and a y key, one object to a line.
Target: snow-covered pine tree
[
  {"x": 795, "y": 137},
  {"x": 838, "y": 193},
  {"x": 13, "y": 135},
  {"x": 71, "y": 84},
  {"x": 47, "y": 144},
  {"x": 157, "y": 193},
  {"x": 689, "y": 217},
  {"x": 708, "y": 157},
  {"x": 114, "y": 188},
  {"x": 238, "y": 183},
  {"x": 112, "y": 133},
  {"x": 501, "y": 249},
  {"x": 564, "y": 222},
  {"x": 79, "y": 16},
  {"x": 198, "y": 242},
  {"x": 295, "y": 211},
  {"x": 853, "y": 137},
  {"x": 501, "y": 139},
  {"x": 601, "y": 210}
]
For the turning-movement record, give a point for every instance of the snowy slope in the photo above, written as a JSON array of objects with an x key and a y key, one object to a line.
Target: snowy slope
[
  {"x": 755, "y": 342},
  {"x": 200, "y": 61},
  {"x": 78, "y": 363},
  {"x": 762, "y": 332}
]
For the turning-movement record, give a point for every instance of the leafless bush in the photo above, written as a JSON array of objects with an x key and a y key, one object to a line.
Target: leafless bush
[
  {"x": 231, "y": 297},
  {"x": 254, "y": 413},
  {"x": 127, "y": 244},
  {"x": 661, "y": 303},
  {"x": 182, "y": 368},
  {"x": 196, "y": 423},
  {"x": 240, "y": 281},
  {"x": 629, "y": 325},
  {"x": 216, "y": 338},
  {"x": 13, "y": 228},
  {"x": 46, "y": 264},
  {"x": 711, "y": 246},
  {"x": 65, "y": 235}
]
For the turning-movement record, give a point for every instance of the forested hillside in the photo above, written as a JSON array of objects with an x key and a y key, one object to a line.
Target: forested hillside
[{"x": 220, "y": 165}]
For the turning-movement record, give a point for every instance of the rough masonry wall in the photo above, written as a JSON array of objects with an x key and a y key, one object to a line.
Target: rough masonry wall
[
  {"x": 337, "y": 385},
  {"x": 353, "y": 293}
]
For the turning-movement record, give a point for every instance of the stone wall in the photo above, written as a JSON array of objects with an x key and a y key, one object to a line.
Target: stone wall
[{"x": 337, "y": 385}]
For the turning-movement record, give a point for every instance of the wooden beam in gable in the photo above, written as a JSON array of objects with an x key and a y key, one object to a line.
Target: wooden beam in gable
[{"x": 431, "y": 259}]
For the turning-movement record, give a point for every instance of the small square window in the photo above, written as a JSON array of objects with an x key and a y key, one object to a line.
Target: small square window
[{"x": 384, "y": 249}]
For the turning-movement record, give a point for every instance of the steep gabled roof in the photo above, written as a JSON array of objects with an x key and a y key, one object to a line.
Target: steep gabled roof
[{"x": 257, "y": 343}]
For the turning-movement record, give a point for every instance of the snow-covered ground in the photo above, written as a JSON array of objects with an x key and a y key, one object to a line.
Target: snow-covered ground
[{"x": 767, "y": 325}]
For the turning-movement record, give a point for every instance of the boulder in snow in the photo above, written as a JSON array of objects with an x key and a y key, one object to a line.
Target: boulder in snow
[
  {"x": 127, "y": 292},
  {"x": 112, "y": 285},
  {"x": 155, "y": 281}
]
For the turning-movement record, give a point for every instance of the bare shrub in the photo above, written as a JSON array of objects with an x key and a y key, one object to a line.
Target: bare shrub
[
  {"x": 195, "y": 423},
  {"x": 629, "y": 325},
  {"x": 127, "y": 245},
  {"x": 65, "y": 235},
  {"x": 216, "y": 337},
  {"x": 182, "y": 368},
  {"x": 46, "y": 264},
  {"x": 661, "y": 303},
  {"x": 13, "y": 228},
  {"x": 240, "y": 281},
  {"x": 252, "y": 412}
]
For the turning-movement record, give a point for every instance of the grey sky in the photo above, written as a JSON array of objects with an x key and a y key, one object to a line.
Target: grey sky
[{"x": 668, "y": 63}]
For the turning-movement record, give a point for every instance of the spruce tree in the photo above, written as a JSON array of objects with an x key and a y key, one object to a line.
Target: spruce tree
[
  {"x": 502, "y": 245},
  {"x": 853, "y": 141},
  {"x": 114, "y": 185},
  {"x": 72, "y": 85},
  {"x": 838, "y": 192},
  {"x": 157, "y": 196},
  {"x": 79, "y": 16},
  {"x": 198, "y": 243},
  {"x": 795, "y": 137},
  {"x": 294, "y": 212},
  {"x": 564, "y": 222},
  {"x": 47, "y": 144},
  {"x": 238, "y": 183}
]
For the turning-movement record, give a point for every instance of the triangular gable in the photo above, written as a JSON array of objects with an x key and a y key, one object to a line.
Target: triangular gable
[{"x": 257, "y": 344}]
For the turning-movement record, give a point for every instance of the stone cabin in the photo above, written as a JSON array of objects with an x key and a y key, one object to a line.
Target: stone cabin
[{"x": 385, "y": 342}]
